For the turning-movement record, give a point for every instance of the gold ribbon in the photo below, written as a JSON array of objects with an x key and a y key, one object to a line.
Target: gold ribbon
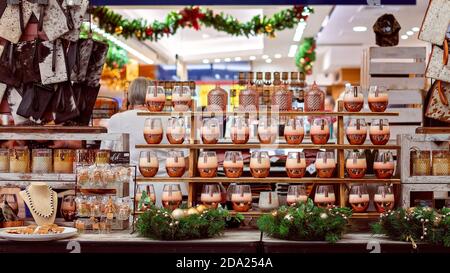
[{"x": 410, "y": 239}]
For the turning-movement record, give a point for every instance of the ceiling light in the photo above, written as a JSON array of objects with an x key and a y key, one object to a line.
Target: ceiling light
[
  {"x": 299, "y": 31},
  {"x": 237, "y": 59},
  {"x": 265, "y": 56},
  {"x": 205, "y": 61},
  {"x": 227, "y": 60},
  {"x": 217, "y": 60},
  {"x": 409, "y": 33},
  {"x": 292, "y": 50},
  {"x": 277, "y": 56},
  {"x": 415, "y": 29},
  {"x": 268, "y": 61},
  {"x": 359, "y": 29},
  {"x": 205, "y": 36},
  {"x": 404, "y": 37},
  {"x": 252, "y": 58}
]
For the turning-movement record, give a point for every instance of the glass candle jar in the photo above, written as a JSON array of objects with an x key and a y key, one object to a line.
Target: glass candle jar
[
  {"x": 148, "y": 163},
  {"x": 153, "y": 131},
  {"x": 233, "y": 165},
  {"x": 239, "y": 130},
  {"x": 175, "y": 164},
  {"x": 181, "y": 98},
  {"x": 268, "y": 201},
  {"x": 421, "y": 163},
  {"x": 210, "y": 131},
  {"x": 294, "y": 131},
  {"x": 296, "y": 194},
  {"x": 356, "y": 131},
  {"x": 379, "y": 131},
  {"x": 84, "y": 157},
  {"x": 217, "y": 99},
  {"x": 282, "y": 99},
  {"x": 19, "y": 160},
  {"x": 384, "y": 199},
  {"x": 260, "y": 164},
  {"x": 176, "y": 130},
  {"x": 248, "y": 100},
  {"x": 41, "y": 161},
  {"x": 102, "y": 157},
  {"x": 155, "y": 98},
  {"x": 63, "y": 160},
  {"x": 211, "y": 196},
  {"x": 359, "y": 198},
  {"x": 441, "y": 163},
  {"x": 241, "y": 198},
  {"x": 4, "y": 160},
  {"x": 296, "y": 164},
  {"x": 207, "y": 164},
  {"x": 356, "y": 165},
  {"x": 325, "y": 197},
  {"x": 320, "y": 131},
  {"x": 267, "y": 130},
  {"x": 325, "y": 164},
  {"x": 353, "y": 99},
  {"x": 171, "y": 196},
  {"x": 314, "y": 99},
  {"x": 383, "y": 166},
  {"x": 378, "y": 98}
]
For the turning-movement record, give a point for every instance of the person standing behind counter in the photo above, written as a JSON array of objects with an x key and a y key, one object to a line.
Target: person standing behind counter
[{"x": 129, "y": 122}]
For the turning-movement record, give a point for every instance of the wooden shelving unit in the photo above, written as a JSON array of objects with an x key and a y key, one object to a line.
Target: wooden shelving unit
[{"x": 194, "y": 145}]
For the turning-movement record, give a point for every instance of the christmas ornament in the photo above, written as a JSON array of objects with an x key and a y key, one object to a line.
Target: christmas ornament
[
  {"x": 118, "y": 30},
  {"x": 201, "y": 208},
  {"x": 268, "y": 28},
  {"x": 177, "y": 214},
  {"x": 191, "y": 211},
  {"x": 306, "y": 55},
  {"x": 323, "y": 216}
]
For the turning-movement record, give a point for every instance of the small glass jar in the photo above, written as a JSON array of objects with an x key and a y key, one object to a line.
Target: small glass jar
[
  {"x": 210, "y": 130},
  {"x": 294, "y": 131},
  {"x": 239, "y": 130},
  {"x": 211, "y": 195},
  {"x": 233, "y": 165},
  {"x": 353, "y": 99},
  {"x": 175, "y": 164},
  {"x": 359, "y": 198},
  {"x": 207, "y": 164},
  {"x": 260, "y": 164},
  {"x": 420, "y": 163},
  {"x": 356, "y": 131},
  {"x": 63, "y": 160},
  {"x": 320, "y": 131},
  {"x": 268, "y": 201},
  {"x": 379, "y": 131},
  {"x": 356, "y": 165},
  {"x": 378, "y": 98},
  {"x": 171, "y": 197},
  {"x": 153, "y": 131},
  {"x": 296, "y": 164},
  {"x": 241, "y": 198},
  {"x": 267, "y": 130},
  {"x": 148, "y": 163},
  {"x": 441, "y": 163},
  {"x": 296, "y": 194},
  {"x": 102, "y": 157},
  {"x": 41, "y": 161},
  {"x": 155, "y": 98},
  {"x": 314, "y": 99},
  {"x": 181, "y": 98},
  {"x": 217, "y": 99},
  {"x": 176, "y": 130},
  {"x": 19, "y": 160},
  {"x": 325, "y": 164},
  {"x": 4, "y": 160},
  {"x": 84, "y": 157},
  {"x": 325, "y": 197}
]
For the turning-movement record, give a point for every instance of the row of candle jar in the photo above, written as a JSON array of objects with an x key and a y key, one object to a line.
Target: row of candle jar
[
  {"x": 294, "y": 131},
  {"x": 102, "y": 176},
  {"x": 430, "y": 163},
  {"x": 103, "y": 206},
  {"x": 17, "y": 160},
  {"x": 354, "y": 98},
  {"x": 233, "y": 164},
  {"x": 155, "y": 98}
]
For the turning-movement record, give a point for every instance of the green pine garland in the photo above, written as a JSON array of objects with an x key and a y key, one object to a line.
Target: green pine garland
[
  {"x": 196, "y": 17},
  {"x": 418, "y": 224},
  {"x": 306, "y": 222},
  {"x": 306, "y": 55},
  {"x": 157, "y": 223}
]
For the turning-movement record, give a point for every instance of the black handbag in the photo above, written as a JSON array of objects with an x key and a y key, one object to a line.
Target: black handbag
[
  {"x": 8, "y": 69},
  {"x": 78, "y": 57},
  {"x": 96, "y": 62},
  {"x": 35, "y": 100},
  {"x": 86, "y": 97},
  {"x": 28, "y": 56}
]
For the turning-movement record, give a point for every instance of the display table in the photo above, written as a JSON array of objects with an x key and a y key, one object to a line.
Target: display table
[{"x": 238, "y": 241}]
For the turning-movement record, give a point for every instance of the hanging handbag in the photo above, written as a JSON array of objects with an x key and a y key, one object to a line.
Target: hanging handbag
[
  {"x": 78, "y": 57},
  {"x": 8, "y": 69},
  {"x": 14, "y": 19},
  {"x": 86, "y": 97},
  {"x": 53, "y": 67},
  {"x": 96, "y": 62},
  {"x": 435, "y": 22},
  {"x": 75, "y": 11},
  {"x": 439, "y": 66},
  {"x": 438, "y": 105},
  {"x": 35, "y": 100},
  {"x": 51, "y": 18},
  {"x": 65, "y": 107},
  {"x": 27, "y": 60},
  {"x": 14, "y": 101}
]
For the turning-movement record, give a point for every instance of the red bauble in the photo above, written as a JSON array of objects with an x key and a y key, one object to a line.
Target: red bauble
[
  {"x": 149, "y": 31},
  {"x": 307, "y": 59}
]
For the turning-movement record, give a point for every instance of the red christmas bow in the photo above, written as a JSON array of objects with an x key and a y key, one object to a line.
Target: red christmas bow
[{"x": 190, "y": 17}]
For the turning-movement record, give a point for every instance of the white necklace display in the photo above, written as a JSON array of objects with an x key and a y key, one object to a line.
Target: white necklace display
[{"x": 35, "y": 209}]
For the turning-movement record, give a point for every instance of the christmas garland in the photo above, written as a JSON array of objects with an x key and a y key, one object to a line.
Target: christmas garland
[
  {"x": 306, "y": 222},
  {"x": 306, "y": 55},
  {"x": 196, "y": 17},
  {"x": 418, "y": 224},
  {"x": 182, "y": 224}
]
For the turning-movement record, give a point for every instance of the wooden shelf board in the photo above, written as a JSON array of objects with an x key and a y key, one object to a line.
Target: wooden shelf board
[
  {"x": 56, "y": 177},
  {"x": 53, "y": 129},
  {"x": 369, "y": 179},
  {"x": 429, "y": 179},
  {"x": 363, "y": 215},
  {"x": 231, "y": 146},
  {"x": 288, "y": 113},
  {"x": 433, "y": 130}
]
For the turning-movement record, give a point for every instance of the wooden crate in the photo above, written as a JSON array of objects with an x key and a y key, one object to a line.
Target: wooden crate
[{"x": 401, "y": 70}]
